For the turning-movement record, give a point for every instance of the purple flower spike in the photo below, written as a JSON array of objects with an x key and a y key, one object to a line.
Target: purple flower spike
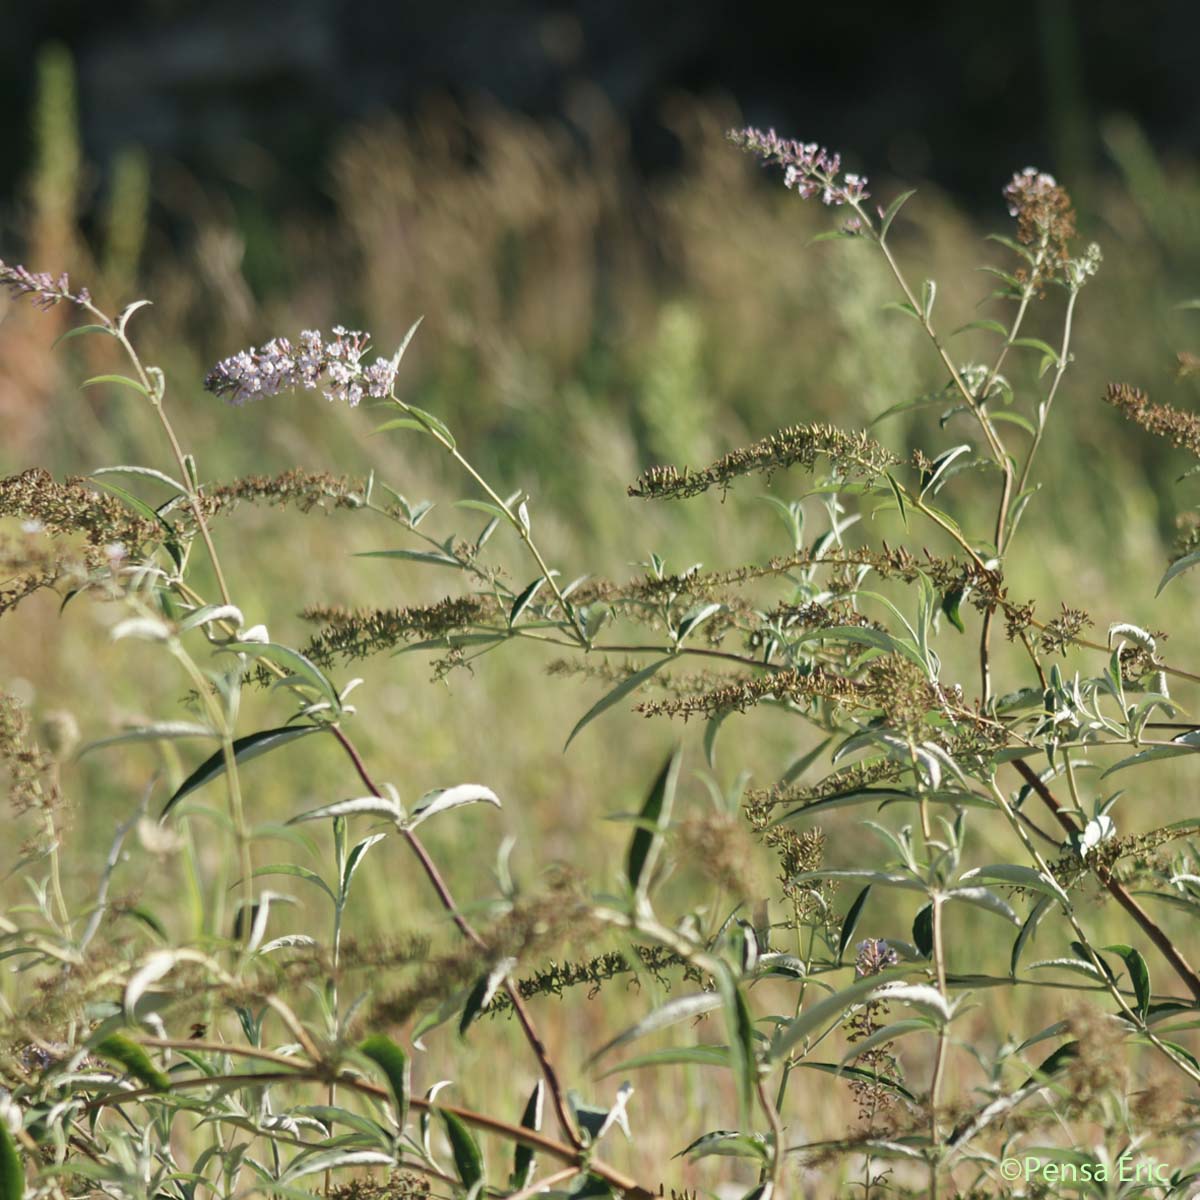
[
  {"x": 335, "y": 366},
  {"x": 808, "y": 169},
  {"x": 42, "y": 286}
]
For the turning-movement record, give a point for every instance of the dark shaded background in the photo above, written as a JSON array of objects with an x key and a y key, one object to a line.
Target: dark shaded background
[{"x": 923, "y": 90}]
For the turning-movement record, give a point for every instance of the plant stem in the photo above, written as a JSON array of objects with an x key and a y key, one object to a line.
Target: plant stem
[
  {"x": 513, "y": 518},
  {"x": 300, "y": 1072},
  {"x": 1068, "y": 910},
  {"x": 117, "y": 328},
  {"x": 1044, "y": 409},
  {"x": 777, "y": 1148},
  {"x": 939, "y": 1061},
  {"x": 1148, "y": 925},
  {"x": 447, "y": 899}
]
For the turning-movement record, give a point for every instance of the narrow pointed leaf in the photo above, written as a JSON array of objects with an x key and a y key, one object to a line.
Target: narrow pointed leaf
[
  {"x": 1177, "y": 568},
  {"x": 445, "y": 799},
  {"x": 729, "y": 1143},
  {"x": 147, "y": 472},
  {"x": 430, "y": 424},
  {"x": 244, "y": 749},
  {"x": 647, "y": 838},
  {"x": 421, "y": 556},
  {"x": 1038, "y": 911},
  {"x": 468, "y": 1159},
  {"x": 615, "y": 696},
  {"x": 827, "y": 1010},
  {"x": 481, "y": 994},
  {"x": 296, "y": 871},
  {"x": 164, "y": 731},
  {"x": 126, "y": 1053},
  {"x": 79, "y": 331},
  {"x": 886, "y": 1034},
  {"x": 393, "y": 1062},
  {"x": 892, "y": 210},
  {"x": 121, "y": 380},
  {"x": 682, "y": 1008},
  {"x": 742, "y": 1054},
  {"x": 374, "y": 806},
  {"x": 12, "y": 1175},
  {"x": 523, "y": 1156},
  {"x": 294, "y": 661},
  {"x": 1139, "y": 975},
  {"x": 522, "y": 602},
  {"x": 851, "y": 921},
  {"x": 922, "y": 931},
  {"x": 334, "y": 1159}
]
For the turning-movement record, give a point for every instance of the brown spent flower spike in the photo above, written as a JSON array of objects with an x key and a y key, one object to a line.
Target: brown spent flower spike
[
  {"x": 802, "y": 445},
  {"x": 1183, "y": 428}
]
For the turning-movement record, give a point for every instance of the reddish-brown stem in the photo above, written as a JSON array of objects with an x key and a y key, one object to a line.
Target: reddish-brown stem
[
  {"x": 445, "y": 896},
  {"x": 304, "y": 1071},
  {"x": 1147, "y": 923}
]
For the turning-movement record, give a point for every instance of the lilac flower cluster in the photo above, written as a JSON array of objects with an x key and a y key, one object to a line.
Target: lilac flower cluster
[
  {"x": 874, "y": 955},
  {"x": 1028, "y": 187},
  {"x": 45, "y": 289},
  {"x": 808, "y": 168},
  {"x": 335, "y": 366}
]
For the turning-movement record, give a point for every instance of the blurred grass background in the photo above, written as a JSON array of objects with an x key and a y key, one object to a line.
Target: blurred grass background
[{"x": 579, "y": 324}]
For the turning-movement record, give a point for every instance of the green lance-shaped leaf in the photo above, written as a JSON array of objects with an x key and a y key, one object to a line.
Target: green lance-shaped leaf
[
  {"x": 1038, "y": 911},
  {"x": 443, "y": 799},
  {"x": 128, "y": 1054},
  {"x": 922, "y": 931},
  {"x": 888, "y": 1033},
  {"x": 984, "y": 898},
  {"x": 482, "y": 993},
  {"x": 79, "y": 331},
  {"x": 656, "y": 812},
  {"x": 522, "y": 602},
  {"x": 144, "y": 472},
  {"x": 468, "y": 1158},
  {"x": 900, "y": 504},
  {"x": 613, "y": 697},
  {"x": 682, "y": 1008},
  {"x": 1054, "y": 1063},
  {"x": 742, "y": 1055},
  {"x": 523, "y": 1156},
  {"x": 120, "y": 380},
  {"x": 356, "y": 857},
  {"x": 828, "y": 1010},
  {"x": 673, "y": 1056},
  {"x": 950, "y": 607},
  {"x": 764, "y": 1191},
  {"x": 892, "y": 209},
  {"x": 1178, "y": 567},
  {"x": 1139, "y": 975},
  {"x": 851, "y": 921},
  {"x": 393, "y": 1062},
  {"x": 244, "y": 748},
  {"x": 728, "y": 1143},
  {"x": 1018, "y": 876},
  {"x": 374, "y": 806},
  {"x": 12, "y": 1176},
  {"x": 303, "y": 668},
  {"x": 332, "y": 1160},
  {"x": 1185, "y": 743},
  {"x": 163, "y": 731},
  {"x": 874, "y": 1078}
]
